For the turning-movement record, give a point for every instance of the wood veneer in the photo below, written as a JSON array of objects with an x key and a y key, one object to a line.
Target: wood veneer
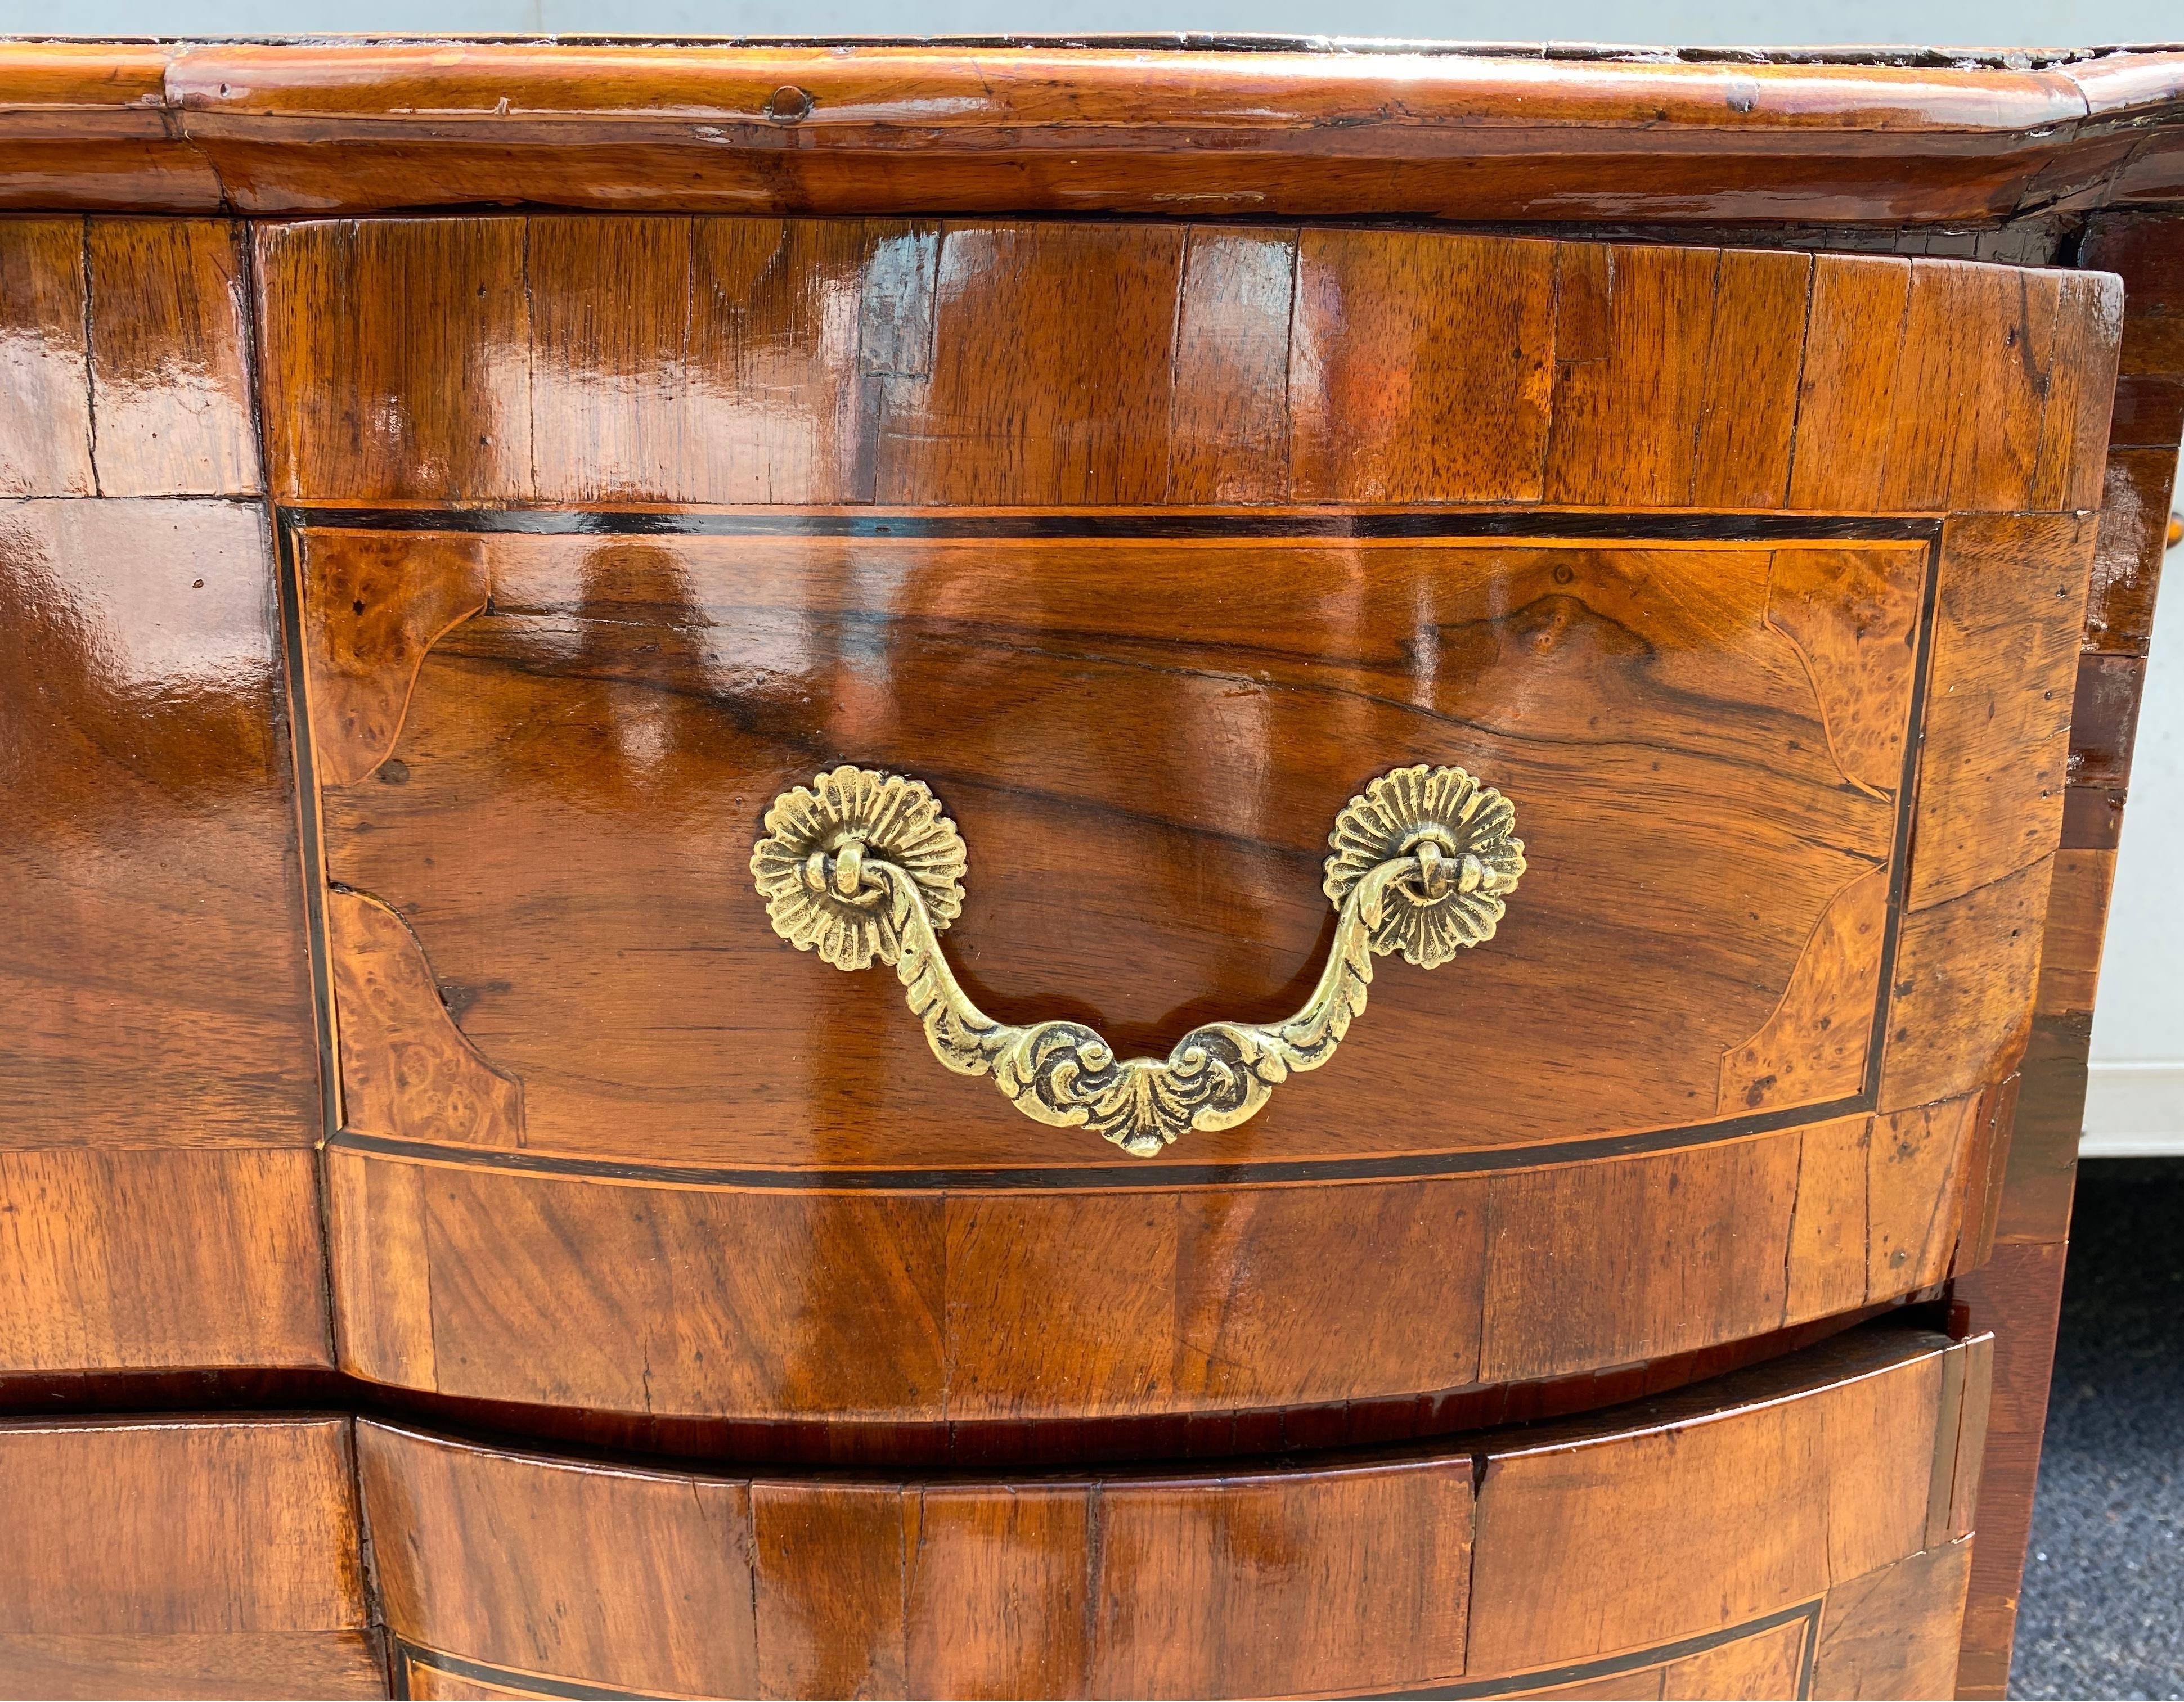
[
  {"x": 1787, "y": 979},
  {"x": 218, "y": 1556},
  {"x": 158, "y": 1087},
  {"x": 668, "y": 370},
  {"x": 1144, "y": 126},
  {"x": 1502, "y": 1567}
]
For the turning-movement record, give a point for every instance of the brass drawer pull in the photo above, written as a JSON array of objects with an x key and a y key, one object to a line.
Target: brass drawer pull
[{"x": 861, "y": 865}]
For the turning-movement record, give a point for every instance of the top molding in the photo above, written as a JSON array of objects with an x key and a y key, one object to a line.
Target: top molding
[{"x": 1483, "y": 135}]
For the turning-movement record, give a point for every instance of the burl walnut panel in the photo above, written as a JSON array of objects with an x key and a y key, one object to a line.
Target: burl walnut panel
[
  {"x": 580, "y": 1079},
  {"x": 1802, "y": 1527}
]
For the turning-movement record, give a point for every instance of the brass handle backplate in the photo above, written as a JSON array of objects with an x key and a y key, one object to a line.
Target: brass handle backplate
[{"x": 860, "y": 865}]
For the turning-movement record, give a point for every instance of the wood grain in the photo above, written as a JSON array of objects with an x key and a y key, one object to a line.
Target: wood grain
[
  {"x": 1888, "y": 341},
  {"x": 1040, "y": 391},
  {"x": 1538, "y": 1579},
  {"x": 139, "y": 1257},
  {"x": 612, "y": 305},
  {"x": 1229, "y": 422},
  {"x": 223, "y": 1550},
  {"x": 160, "y": 1076},
  {"x": 725, "y": 360},
  {"x": 44, "y": 446},
  {"x": 666, "y": 655},
  {"x": 378, "y": 604},
  {"x": 1991, "y": 778},
  {"x": 1802, "y": 1486},
  {"x": 170, "y": 391},
  {"x": 1420, "y": 371},
  {"x": 419, "y": 386},
  {"x": 1768, "y": 1662},
  {"x": 1531, "y": 135},
  {"x": 1814, "y": 1045},
  {"x": 988, "y": 1310},
  {"x": 1915, "y": 1191},
  {"x": 1893, "y": 1633},
  {"x": 574, "y": 766},
  {"x": 2018, "y": 1296},
  {"x": 1966, "y": 971},
  {"x": 801, "y": 331},
  {"x": 427, "y": 1676},
  {"x": 404, "y": 1064},
  {"x": 1852, "y": 615},
  {"x": 547, "y": 814},
  {"x": 158, "y": 1665},
  {"x": 1551, "y": 1266},
  {"x": 153, "y": 939},
  {"x": 524, "y": 1586},
  {"x": 2020, "y": 1293}
]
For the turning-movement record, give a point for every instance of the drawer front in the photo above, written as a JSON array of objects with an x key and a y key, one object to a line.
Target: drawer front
[
  {"x": 1804, "y": 1530},
  {"x": 183, "y": 1557},
  {"x": 1146, "y": 583}
]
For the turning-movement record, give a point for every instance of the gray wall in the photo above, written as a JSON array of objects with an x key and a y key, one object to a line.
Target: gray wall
[{"x": 1750, "y": 23}]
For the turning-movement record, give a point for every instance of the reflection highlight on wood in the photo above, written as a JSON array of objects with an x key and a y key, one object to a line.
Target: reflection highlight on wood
[
  {"x": 123, "y": 344},
  {"x": 573, "y": 764},
  {"x": 170, "y": 391},
  {"x": 1498, "y": 134},
  {"x": 1012, "y": 1307},
  {"x": 823, "y": 361},
  {"x": 45, "y": 437}
]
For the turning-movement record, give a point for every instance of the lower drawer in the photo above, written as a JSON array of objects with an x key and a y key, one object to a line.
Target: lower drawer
[
  {"x": 182, "y": 1557},
  {"x": 1798, "y": 1530}
]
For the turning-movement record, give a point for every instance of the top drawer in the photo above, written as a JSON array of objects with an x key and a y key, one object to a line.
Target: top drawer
[{"x": 1752, "y": 580}]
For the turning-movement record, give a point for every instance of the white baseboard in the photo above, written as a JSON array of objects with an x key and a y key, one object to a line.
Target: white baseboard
[{"x": 2133, "y": 1110}]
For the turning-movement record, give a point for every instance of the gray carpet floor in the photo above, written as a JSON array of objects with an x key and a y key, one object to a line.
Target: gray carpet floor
[{"x": 2102, "y": 1614}]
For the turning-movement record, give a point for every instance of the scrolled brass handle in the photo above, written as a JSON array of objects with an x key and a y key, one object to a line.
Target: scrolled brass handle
[{"x": 861, "y": 865}]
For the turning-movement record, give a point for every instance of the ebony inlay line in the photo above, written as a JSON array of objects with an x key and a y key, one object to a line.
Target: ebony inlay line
[
  {"x": 1150, "y": 1173},
  {"x": 1590, "y": 527},
  {"x": 515, "y": 1679},
  {"x": 1907, "y": 804},
  {"x": 1520, "y": 1684},
  {"x": 289, "y": 595},
  {"x": 505, "y": 1677}
]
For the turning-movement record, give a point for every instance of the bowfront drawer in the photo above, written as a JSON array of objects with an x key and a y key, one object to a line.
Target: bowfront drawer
[
  {"x": 1368, "y": 815},
  {"x": 1801, "y": 1532}
]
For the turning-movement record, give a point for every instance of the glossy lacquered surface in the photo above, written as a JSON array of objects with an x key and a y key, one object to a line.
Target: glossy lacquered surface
[
  {"x": 593, "y": 531},
  {"x": 1140, "y": 126},
  {"x": 1264, "y": 537},
  {"x": 1801, "y": 1531},
  {"x": 158, "y": 1087}
]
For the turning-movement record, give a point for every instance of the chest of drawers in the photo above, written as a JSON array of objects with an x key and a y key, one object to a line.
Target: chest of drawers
[{"x": 875, "y": 908}]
